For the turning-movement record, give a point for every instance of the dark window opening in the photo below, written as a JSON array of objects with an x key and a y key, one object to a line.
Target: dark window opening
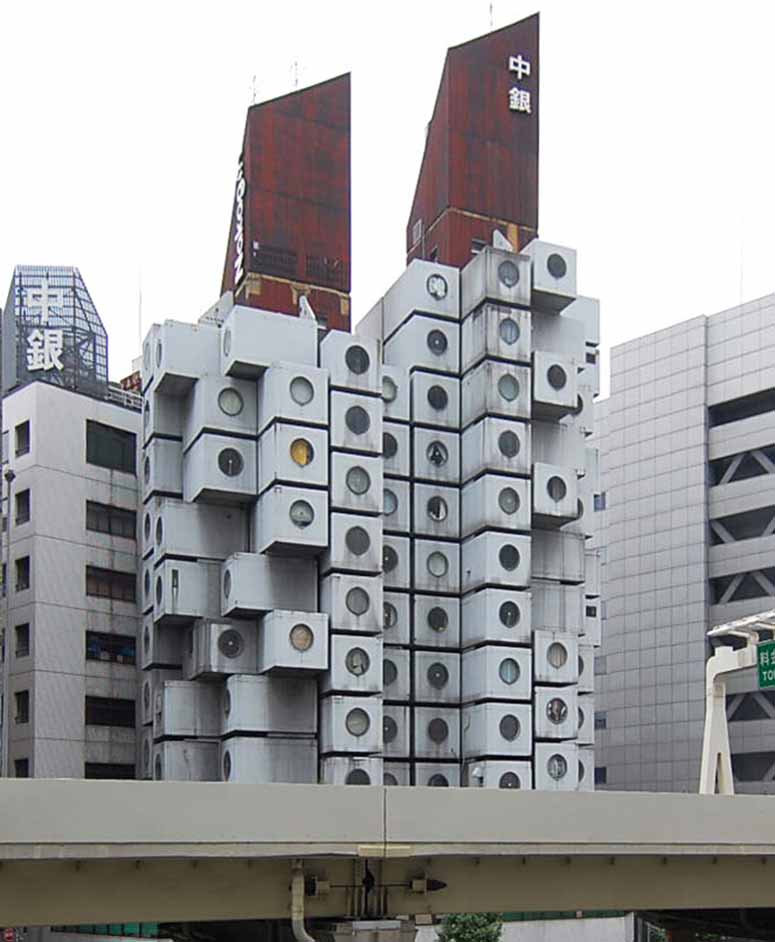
[
  {"x": 22, "y": 501},
  {"x": 477, "y": 246},
  {"x": 591, "y": 357},
  {"x": 22, "y": 640},
  {"x": 273, "y": 260},
  {"x": 22, "y": 573},
  {"x": 748, "y": 467},
  {"x": 22, "y": 706},
  {"x": 748, "y": 588},
  {"x": 601, "y": 775},
  {"x": 22, "y": 438},
  {"x": 591, "y": 611},
  {"x": 21, "y": 768},
  {"x": 601, "y": 720},
  {"x": 599, "y": 501},
  {"x": 110, "y": 447},
  {"x": 119, "y": 649},
  {"x": 106, "y": 711},
  {"x": 744, "y": 526},
  {"x": 742, "y": 408},
  {"x": 108, "y": 770},
  {"x": 110, "y": 584},
  {"x": 116, "y": 521},
  {"x": 752, "y": 766},
  {"x": 434, "y": 254}
]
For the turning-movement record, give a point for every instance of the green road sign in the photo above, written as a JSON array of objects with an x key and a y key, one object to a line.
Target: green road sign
[{"x": 766, "y": 659}]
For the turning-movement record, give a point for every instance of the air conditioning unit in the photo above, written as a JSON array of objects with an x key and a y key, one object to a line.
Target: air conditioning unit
[
  {"x": 425, "y": 343},
  {"x": 217, "y": 468},
  {"x": 355, "y": 544},
  {"x": 160, "y": 645},
  {"x": 259, "y": 761},
  {"x": 497, "y": 729},
  {"x": 396, "y": 773},
  {"x": 396, "y": 618},
  {"x": 396, "y": 742},
  {"x": 356, "y": 423},
  {"x": 355, "y": 665},
  {"x": 436, "y": 733},
  {"x": 186, "y": 760},
  {"x": 436, "y": 456},
  {"x": 353, "y": 602},
  {"x": 586, "y": 768},
  {"x": 495, "y": 275},
  {"x": 183, "y": 708},
  {"x": 292, "y": 454},
  {"x": 150, "y": 684},
  {"x": 558, "y": 607},
  {"x": 396, "y": 675},
  {"x": 350, "y": 725},
  {"x": 559, "y": 443},
  {"x": 252, "y": 584},
  {"x": 586, "y": 719},
  {"x": 162, "y": 462},
  {"x": 495, "y": 559},
  {"x": 424, "y": 288},
  {"x": 436, "y": 511},
  {"x": 396, "y": 571},
  {"x": 218, "y": 648},
  {"x": 498, "y": 773},
  {"x": 555, "y": 495},
  {"x": 558, "y": 555},
  {"x": 162, "y": 417},
  {"x": 436, "y": 621},
  {"x": 293, "y": 642},
  {"x": 435, "y": 400},
  {"x": 291, "y": 521},
  {"x": 356, "y": 483},
  {"x": 351, "y": 770},
  {"x": 555, "y": 387},
  {"x": 221, "y": 406},
  {"x": 499, "y": 445},
  {"x": 586, "y": 668},
  {"x": 592, "y": 631},
  {"x": 554, "y": 275},
  {"x": 353, "y": 363},
  {"x": 436, "y": 567},
  {"x": 556, "y": 766},
  {"x": 497, "y": 389},
  {"x": 495, "y": 502},
  {"x": 436, "y": 677},
  {"x": 202, "y": 531},
  {"x": 183, "y": 590},
  {"x": 252, "y": 340},
  {"x": 290, "y": 392},
  {"x": 396, "y": 460},
  {"x": 396, "y": 503},
  {"x": 555, "y": 658},
  {"x": 497, "y": 332},
  {"x": 437, "y": 774},
  {"x": 145, "y": 753},
  {"x": 494, "y": 672},
  {"x": 274, "y": 705},
  {"x": 500, "y": 616},
  {"x": 179, "y": 354},
  {"x": 395, "y": 393},
  {"x": 555, "y": 712}
]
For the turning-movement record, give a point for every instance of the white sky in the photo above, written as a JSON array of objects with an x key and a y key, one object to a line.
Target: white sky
[{"x": 121, "y": 124}]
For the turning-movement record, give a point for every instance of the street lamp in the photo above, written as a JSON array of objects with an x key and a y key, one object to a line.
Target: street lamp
[{"x": 10, "y": 476}]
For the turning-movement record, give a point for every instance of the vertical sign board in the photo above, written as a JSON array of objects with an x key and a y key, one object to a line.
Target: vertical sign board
[{"x": 766, "y": 662}]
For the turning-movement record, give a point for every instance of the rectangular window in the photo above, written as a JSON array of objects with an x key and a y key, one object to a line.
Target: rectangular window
[
  {"x": 116, "y": 521},
  {"x": 591, "y": 357},
  {"x": 599, "y": 501},
  {"x": 601, "y": 775},
  {"x": 105, "y": 711},
  {"x": 22, "y": 704},
  {"x": 477, "y": 246},
  {"x": 22, "y": 637},
  {"x": 601, "y": 719},
  {"x": 601, "y": 664},
  {"x": 22, "y": 501},
  {"x": 590, "y": 611},
  {"x": 110, "y": 447},
  {"x": 117, "y": 648},
  {"x": 21, "y": 768},
  {"x": 110, "y": 584},
  {"x": 22, "y": 438},
  {"x": 22, "y": 573},
  {"x": 108, "y": 770}
]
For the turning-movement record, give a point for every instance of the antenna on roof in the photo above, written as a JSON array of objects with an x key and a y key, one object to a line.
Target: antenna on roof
[
  {"x": 295, "y": 73},
  {"x": 491, "y": 23},
  {"x": 253, "y": 91}
]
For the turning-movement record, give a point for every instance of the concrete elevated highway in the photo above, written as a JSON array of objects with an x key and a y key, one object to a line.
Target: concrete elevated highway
[{"x": 74, "y": 852}]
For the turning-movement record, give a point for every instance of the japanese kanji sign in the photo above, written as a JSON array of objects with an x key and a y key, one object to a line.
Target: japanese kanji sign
[
  {"x": 766, "y": 660},
  {"x": 519, "y": 98}
]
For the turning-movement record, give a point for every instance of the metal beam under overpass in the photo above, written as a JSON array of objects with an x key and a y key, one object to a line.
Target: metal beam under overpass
[{"x": 76, "y": 852}]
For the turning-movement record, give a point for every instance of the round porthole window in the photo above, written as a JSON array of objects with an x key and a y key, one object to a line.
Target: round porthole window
[
  {"x": 508, "y": 331},
  {"x": 437, "y": 454},
  {"x": 147, "y": 470},
  {"x": 301, "y": 513},
  {"x": 509, "y": 614},
  {"x": 508, "y": 500},
  {"x": 557, "y": 488},
  {"x": 508, "y": 444},
  {"x": 389, "y": 558},
  {"x": 508, "y": 273},
  {"x": 230, "y": 643},
  {"x": 581, "y": 771},
  {"x": 557, "y": 766},
  {"x": 556, "y": 266},
  {"x": 357, "y": 420},
  {"x": 159, "y": 531},
  {"x": 508, "y": 387},
  {"x": 357, "y": 722},
  {"x": 437, "y": 287},
  {"x": 159, "y": 353},
  {"x": 438, "y": 398},
  {"x": 389, "y": 615},
  {"x": 581, "y": 665},
  {"x": 301, "y": 390},
  {"x": 230, "y": 401},
  {"x": 357, "y": 541},
  {"x": 226, "y": 342},
  {"x": 556, "y": 376},
  {"x": 389, "y": 779},
  {"x": 389, "y": 672},
  {"x": 357, "y": 662},
  {"x": 389, "y": 445},
  {"x": 159, "y": 590},
  {"x": 147, "y": 696},
  {"x": 438, "y": 676},
  {"x": 230, "y": 462},
  {"x": 438, "y": 619},
  {"x": 509, "y": 557},
  {"x": 227, "y": 703},
  {"x": 438, "y": 781},
  {"x": 437, "y": 342},
  {"x": 438, "y": 730},
  {"x": 157, "y": 769},
  {"x": 389, "y": 729},
  {"x": 508, "y": 671},
  {"x": 509, "y": 780},
  {"x": 389, "y": 389},
  {"x": 147, "y": 527},
  {"x": 509, "y": 727},
  {"x": 301, "y": 452},
  {"x": 437, "y": 508},
  {"x": 147, "y": 584},
  {"x": 226, "y": 766},
  {"x": 389, "y": 502},
  {"x": 557, "y": 711},
  {"x": 146, "y": 357},
  {"x": 357, "y": 359},
  {"x": 438, "y": 564},
  {"x": 146, "y": 414},
  {"x": 557, "y": 655},
  {"x": 146, "y": 639},
  {"x": 301, "y": 637},
  {"x": 357, "y": 601},
  {"x": 357, "y": 480},
  {"x": 580, "y": 717},
  {"x": 357, "y": 777}
]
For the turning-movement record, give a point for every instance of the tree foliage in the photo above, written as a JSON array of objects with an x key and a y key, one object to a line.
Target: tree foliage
[{"x": 471, "y": 927}]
